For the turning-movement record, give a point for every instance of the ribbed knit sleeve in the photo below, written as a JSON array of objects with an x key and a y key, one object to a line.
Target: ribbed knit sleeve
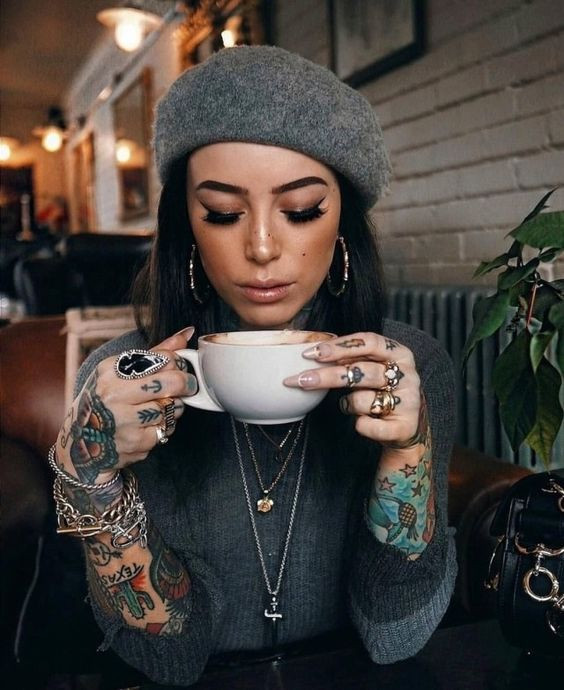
[{"x": 396, "y": 604}]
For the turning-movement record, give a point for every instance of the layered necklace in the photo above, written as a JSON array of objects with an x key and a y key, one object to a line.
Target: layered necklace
[
  {"x": 265, "y": 503},
  {"x": 271, "y": 612}
]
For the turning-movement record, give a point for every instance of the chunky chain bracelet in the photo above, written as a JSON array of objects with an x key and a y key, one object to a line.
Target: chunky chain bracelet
[{"x": 126, "y": 521}]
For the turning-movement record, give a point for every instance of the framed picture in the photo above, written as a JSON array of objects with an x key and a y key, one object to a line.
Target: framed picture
[{"x": 372, "y": 37}]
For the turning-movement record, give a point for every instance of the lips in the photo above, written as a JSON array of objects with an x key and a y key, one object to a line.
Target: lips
[{"x": 266, "y": 292}]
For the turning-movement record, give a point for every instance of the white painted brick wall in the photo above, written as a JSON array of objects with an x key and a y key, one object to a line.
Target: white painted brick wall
[{"x": 475, "y": 131}]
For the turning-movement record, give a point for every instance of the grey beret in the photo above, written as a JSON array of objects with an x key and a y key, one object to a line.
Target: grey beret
[{"x": 266, "y": 95}]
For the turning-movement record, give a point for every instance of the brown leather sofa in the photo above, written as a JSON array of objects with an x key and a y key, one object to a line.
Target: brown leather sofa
[{"x": 44, "y": 615}]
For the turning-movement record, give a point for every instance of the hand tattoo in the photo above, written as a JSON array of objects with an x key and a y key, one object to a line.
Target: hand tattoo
[
  {"x": 352, "y": 342},
  {"x": 149, "y": 415},
  {"x": 391, "y": 344},
  {"x": 155, "y": 386}
]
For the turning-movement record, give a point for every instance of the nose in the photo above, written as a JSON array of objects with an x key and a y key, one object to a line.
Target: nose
[{"x": 262, "y": 245}]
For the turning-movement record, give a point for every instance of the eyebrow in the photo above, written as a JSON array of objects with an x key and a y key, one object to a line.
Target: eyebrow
[{"x": 234, "y": 189}]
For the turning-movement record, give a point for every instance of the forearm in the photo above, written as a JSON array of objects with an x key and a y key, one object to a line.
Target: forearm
[
  {"x": 401, "y": 507},
  {"x": 147, "y": 588}
]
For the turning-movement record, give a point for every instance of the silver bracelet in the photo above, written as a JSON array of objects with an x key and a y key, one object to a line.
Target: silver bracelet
[{"x": 72, "y": 481}]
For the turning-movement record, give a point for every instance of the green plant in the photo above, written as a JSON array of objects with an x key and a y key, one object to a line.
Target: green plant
[{"x": 528, "y": 373}]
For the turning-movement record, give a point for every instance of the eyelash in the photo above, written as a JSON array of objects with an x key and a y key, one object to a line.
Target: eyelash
[{"x": 297, "y": 217}]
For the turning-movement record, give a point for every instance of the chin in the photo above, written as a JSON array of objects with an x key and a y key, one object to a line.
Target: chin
[{"x": 267, "y": 318}]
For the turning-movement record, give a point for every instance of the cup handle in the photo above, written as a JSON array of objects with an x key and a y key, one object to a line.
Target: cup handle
[{"x": 203, "y": 399}]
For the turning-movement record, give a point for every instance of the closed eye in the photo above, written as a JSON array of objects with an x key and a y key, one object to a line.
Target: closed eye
[
  {"x": 217, "y": 218},
  {"x": 306, "y": 215}
]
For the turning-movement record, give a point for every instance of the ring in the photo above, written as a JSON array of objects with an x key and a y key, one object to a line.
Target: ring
[
  {"x": 167, "y": 409},
  {"x": 162, "y": 438},
  {"x": 392, "y": 374},
  {"x": 353, "y": 376},
  {"x": 384, "y": 402},
  {"x": 135, "y": 364}
]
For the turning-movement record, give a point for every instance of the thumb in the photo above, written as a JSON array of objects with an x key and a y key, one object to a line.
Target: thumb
[{"x": 177, "y": 341}]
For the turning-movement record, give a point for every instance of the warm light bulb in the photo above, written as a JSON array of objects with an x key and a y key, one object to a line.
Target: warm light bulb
[
  {"x": 123, "y": 152},
  {"x": 228, "y": 38},
  {"x": 5, "y": 151},
  {"x": 129, "y": 34},
  {"x": 52, "y": 139}
]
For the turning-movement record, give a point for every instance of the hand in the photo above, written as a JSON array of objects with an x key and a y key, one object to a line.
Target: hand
[
  {"x": 361, "y": 360},
  {"x": 113, "y": 422}
]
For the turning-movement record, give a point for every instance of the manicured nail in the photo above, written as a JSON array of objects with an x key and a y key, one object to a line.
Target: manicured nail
[
  {"x": 188, "y": 332},
  {"x": 307, "y": 379},
  {"x": 318, "y": 351}
]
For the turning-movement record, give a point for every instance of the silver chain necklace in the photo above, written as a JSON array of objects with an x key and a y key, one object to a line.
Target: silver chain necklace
[
  {"x": 264, "y": 504},
  {"x": 279, "y": 446},
  {"x": 271, "y": 612}
]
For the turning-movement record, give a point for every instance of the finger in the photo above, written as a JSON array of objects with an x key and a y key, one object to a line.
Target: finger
[
  {"x": 166, "y": 383},
  {"x": 362, "y": 403},
  {"x": 152, "y": 414},
  {"x": 360, "y": 346},
  {"x": 363, "y": 374},
  {"x": 176, "y": 341}
]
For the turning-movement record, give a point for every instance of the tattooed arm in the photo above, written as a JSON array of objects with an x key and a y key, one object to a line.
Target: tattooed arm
[
  {"x": 110, "y": 425},
  {"x": 401, "y": 507}
]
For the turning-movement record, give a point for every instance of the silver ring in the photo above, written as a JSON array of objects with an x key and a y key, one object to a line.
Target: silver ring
[
  {"x": 162, "y": 438},
  {"x": 392, "y": 375},
  {"x": 135, "y": 364}
]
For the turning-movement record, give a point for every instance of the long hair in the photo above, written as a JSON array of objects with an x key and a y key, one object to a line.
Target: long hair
[{"x": 164, "y": 304}]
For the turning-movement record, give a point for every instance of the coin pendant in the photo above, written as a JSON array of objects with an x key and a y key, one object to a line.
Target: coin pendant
[{"x": 264, "y": 505}]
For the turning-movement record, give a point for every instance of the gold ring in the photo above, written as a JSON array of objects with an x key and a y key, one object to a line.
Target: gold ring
[
  {"x": 167, "y": 409},
  {"x": 392, "y": 375},
  {"x": 384, "y": 402}
]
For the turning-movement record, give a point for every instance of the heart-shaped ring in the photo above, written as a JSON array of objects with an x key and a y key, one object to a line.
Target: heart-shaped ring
[{"x": 135, "y": 364}]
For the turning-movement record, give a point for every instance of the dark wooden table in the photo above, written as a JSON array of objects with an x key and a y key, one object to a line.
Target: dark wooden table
[{"x": 466, "y": 657}]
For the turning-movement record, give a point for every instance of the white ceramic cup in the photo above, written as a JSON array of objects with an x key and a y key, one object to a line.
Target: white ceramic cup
[{"x": 241, "y": 372}]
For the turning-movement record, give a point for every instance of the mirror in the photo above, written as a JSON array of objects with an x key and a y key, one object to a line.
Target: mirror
[{"x": 131, "y": 128}]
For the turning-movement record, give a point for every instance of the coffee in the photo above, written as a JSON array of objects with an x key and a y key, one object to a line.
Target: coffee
[{"x": 242, "y": 372}]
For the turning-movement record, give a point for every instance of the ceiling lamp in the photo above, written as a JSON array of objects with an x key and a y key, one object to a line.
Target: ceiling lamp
[
  {"x": 53, "y": 133},
  {"x": 130, "y": 25},
  {"x": 124, "y": 150},
  {"x": 7, "y": 146}
]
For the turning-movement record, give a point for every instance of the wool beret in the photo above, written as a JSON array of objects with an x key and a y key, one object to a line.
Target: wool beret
[{"x": 267, "y": 95}]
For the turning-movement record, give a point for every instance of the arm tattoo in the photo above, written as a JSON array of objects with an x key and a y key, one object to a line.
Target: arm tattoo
[
  {"x": 171, "y": 583},
  {"x": 99, "y": 552},
  {"x": 93, "y": 447},
  {"x": 352, "y": 342},
  {"x": 401, "y": 508}
]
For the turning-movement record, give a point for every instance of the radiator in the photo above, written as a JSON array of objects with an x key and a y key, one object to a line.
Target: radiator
[{"x": 446, "y": 314}]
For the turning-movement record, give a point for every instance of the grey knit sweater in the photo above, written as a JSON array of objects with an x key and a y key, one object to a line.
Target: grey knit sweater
[{"x": 334, "y": 574}]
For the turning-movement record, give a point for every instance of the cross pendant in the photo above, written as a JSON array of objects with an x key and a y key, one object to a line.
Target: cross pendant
[{"x": 272, "y": 614}]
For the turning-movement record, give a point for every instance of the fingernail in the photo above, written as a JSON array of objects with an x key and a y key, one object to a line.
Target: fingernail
[
  {"x": 344, "y": 404},
  {"x": 192, "y": 385},
  {"x": 188, "y": 332},
  {"x": 321, "y": 350},
  {"x": 307, "y": 379}
]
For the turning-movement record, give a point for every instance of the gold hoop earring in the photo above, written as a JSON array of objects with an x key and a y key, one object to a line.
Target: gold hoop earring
[
  {"x": 192, "y": 279},
  {"x": 337, "y": 292}
]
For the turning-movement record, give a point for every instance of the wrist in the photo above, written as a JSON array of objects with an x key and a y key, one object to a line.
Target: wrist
[{"x": 398, "y": 457}]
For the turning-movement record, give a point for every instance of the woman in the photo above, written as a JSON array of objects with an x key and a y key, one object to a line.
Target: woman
[{"x": 269, "y": 164}]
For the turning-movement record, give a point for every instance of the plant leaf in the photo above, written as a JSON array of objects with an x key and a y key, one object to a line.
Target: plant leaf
[
  {"x": 539, "y": 343},
  {"x": 514, "y": 383},
  {"x": 515, "y": 250},
  {"x": 512, "y": 276},
  {"x": 545, "y": 230},
  {"x": 550, "y": 254},
  {"x": 488, "y": 315},
  {"x": 549, "y": 411},
  {"x": 540, "y": 206},
  {"x": 547, "y": 295},
  {"x": 487, "y": 266}
]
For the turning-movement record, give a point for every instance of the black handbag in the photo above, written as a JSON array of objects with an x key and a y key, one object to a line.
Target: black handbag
[{"x": 527, "y": 565}]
